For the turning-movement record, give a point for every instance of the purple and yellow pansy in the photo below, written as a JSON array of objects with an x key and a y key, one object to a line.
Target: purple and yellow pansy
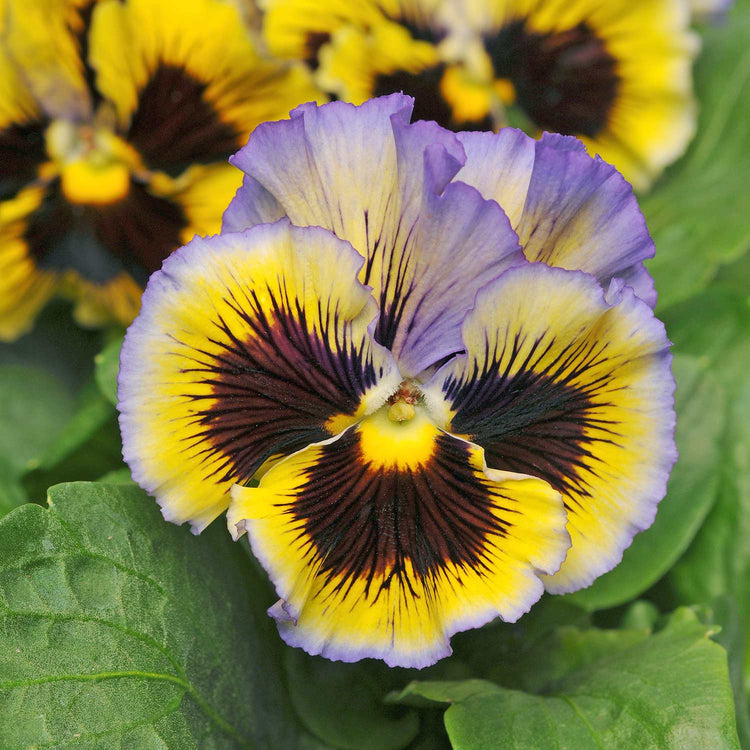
[
  {"x": 116, "y": 121},
  {"x": 419, "y": 369},
  {"x": 615, "y": 74}
]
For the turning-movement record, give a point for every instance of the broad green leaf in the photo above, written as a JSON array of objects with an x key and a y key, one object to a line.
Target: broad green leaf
[
  {"x": 107, "y": 366},
  {"x": 118, "y": 476},
  {"x": 733, "y": 637},
  {"x": 667, "y": 691},
  {"x": 718, "y": 326},
  {"x": 716, "y": 568},
  {"x": 719, "y": 560},
  {"x": 121, "y": 630},
  {"x": 34, "y": 408},
  {"x": 494, "y": 650},
  {"x": 690, "y": 494},
  {"x": 698, "y": 215},
  {"x": 343, "y": 703}
]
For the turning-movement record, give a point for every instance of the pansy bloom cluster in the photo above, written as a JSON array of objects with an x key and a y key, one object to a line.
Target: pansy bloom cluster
[
  {"x": 116, "y": 121},
  {"x": 420, "y": 369},
  {"x": 615, "y": 74}
]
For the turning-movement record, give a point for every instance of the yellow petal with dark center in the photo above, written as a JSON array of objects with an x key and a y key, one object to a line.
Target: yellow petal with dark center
[
  {"x": 559, "y": 383},
  {"x": 615, "y": 74},
  {"x": 186, "y": 79},
  {"x": 22, "y": 126},
  {"x": 385, "y": 541},
  {"x": 247, "y": 345}
]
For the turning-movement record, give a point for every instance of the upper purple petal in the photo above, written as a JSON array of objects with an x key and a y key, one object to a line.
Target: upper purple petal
[
  {"x": 384, "y": 185},
  {"x": 577, "y": 212}
]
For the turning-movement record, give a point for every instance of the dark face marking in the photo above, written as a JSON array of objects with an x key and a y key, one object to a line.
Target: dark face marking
[
  {"x": 81, "y": 34},
  {"x": 313, "y": 43},
  {"x": 22, "y": 150},
  {"x": 366, "y": 522},
  {"x": 274, "y": 390},
  {"x": 419, "y": 28},
  {"x": 535, "y": 422},
  {"x": 428, "y": 101},
  {"x": 134, "y": 234},
  {"x": 174, "y": 125},
  {"x": 565, "y": 81}
]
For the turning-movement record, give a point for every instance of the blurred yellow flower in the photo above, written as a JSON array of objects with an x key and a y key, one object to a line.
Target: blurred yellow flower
[
  {"x": 116, "y": 121},
  {"x": 615, "y": 74}
]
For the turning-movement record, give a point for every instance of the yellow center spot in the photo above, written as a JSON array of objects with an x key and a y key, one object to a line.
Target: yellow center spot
[
  {"x": 405, "y": 444},
  {"x": 468, "y": 97},
  {"x": 505, "y": 91},
  {"x": 83, "y": 182},
  {"x": 94, "y": 164}
]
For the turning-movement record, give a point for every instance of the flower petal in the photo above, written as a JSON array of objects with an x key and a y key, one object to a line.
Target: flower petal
[
  {"x": 386, "y": 540},
  {"x": 562, "y": 385},
  {"x": 24, "y": 287},
  {"x": 297, "y": 29},
  {"x": 616, "y": 74},
  {"x": 381, "y": 183},
  {"x": 247, "y": 345},
  {"x": 22, "y": 127},
  {"x": 42, "y": 39},
  {"x": 578, "y": 213},
  {"x": 465, "y": 243},
  {"x": 187, "y": 81}
]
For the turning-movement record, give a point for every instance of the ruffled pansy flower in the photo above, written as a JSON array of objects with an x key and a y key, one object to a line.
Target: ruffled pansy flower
[
  {"x": 615, "y": 74},
  {"x": 116, "y": 121},
  {"x": 420, "y": 369}
]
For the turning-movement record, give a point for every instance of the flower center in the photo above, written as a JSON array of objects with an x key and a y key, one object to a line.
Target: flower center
[
  {"x": 391, "y": 444},
  {"x": 94, "y": 164},
  {"x": 401, "y": 403}
]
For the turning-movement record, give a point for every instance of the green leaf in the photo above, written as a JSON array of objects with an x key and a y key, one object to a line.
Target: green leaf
[
  {"x": 698, "y": 215},
  {"x": 716, "y": 568},
  {"x": 118, "y": 476},
  {"x": 733, "y": 638},
  {"x": 667, "y": 691},
  {"x": 719, "y": 560},
  {"x": 343, "y": 703},
  {"x": 690, "y": 494},
  {"x": 34, "y": 408},
  {"x": 121, "y": 630},
  {"x": 495, "y": 650},
  {"x": 107, "y": 366}
]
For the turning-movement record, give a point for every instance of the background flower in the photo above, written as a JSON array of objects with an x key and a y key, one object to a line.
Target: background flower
[
  {"x": 116, "y": 122},
  {"x": 616, "y": 75}
]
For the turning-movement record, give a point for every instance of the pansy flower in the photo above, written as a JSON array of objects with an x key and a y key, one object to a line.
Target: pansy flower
[
  {"x": 364, "y": 49},
  {"x": 418, "y": 427},
  {"x": 116, "y": 120},
  {"x": 614, "y": 74}
]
